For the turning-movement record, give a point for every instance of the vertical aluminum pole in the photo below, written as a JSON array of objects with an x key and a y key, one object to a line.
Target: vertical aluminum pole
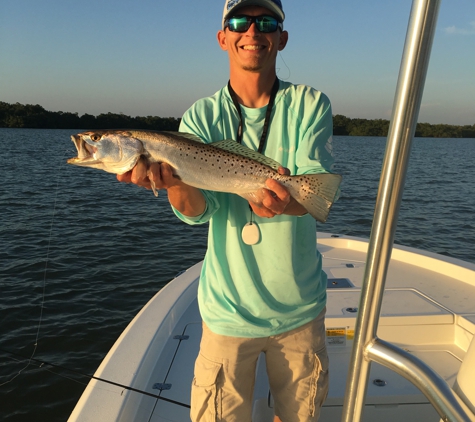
[{"x": 420, "y": 34}]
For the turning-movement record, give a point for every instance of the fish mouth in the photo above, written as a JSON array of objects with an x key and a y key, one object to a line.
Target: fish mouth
[{"x": 86, "y": 152}]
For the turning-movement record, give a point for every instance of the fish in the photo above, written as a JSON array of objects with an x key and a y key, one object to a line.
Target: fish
[{"x": 223, "y": 166}]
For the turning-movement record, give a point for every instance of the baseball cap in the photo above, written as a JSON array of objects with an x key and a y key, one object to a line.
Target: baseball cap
[{"x": 275, "y": 6}]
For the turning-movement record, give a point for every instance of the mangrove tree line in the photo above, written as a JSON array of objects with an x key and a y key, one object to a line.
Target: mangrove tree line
[{"x": 35, "y": 116}]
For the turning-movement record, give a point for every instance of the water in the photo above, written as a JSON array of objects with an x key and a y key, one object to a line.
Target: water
[{"x": 100, "y": 249}]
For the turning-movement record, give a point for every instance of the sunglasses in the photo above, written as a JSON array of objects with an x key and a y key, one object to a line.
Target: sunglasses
[{"x": 263, "y": 23}]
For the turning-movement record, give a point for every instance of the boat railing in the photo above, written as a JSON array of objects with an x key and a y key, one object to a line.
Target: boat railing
[{"x": 367, "y": 347}]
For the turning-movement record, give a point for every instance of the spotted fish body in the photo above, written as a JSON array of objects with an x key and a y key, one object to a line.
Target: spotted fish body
[{"x": 224, "y": 166}]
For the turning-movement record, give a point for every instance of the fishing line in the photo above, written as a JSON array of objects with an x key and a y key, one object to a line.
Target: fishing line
[
  {"x": 125, "y": 387},
  {"x": 41, "y": 363},
  {"x": 35, "y": 345},
  {"x": 285, "y": 64}
]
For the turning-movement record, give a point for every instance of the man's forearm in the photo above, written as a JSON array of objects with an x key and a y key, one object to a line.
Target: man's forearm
[{"x": 188, "y": 200}]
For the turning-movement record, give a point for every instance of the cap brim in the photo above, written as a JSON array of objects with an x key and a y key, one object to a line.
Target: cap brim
[{"x": 262, "y": 3}]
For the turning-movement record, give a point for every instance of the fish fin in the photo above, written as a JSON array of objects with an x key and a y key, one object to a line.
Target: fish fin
[
  {"x": 231, "y": 145},
  {"x": 189, "y": 136},
  {"x": 152, "y": 184},
  {"x": 154, "y": 188},
  {"x": 316, "y": 192}
]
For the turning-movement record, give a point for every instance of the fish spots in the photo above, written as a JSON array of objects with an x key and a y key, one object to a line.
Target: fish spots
[{"x": 184, "y": 152}]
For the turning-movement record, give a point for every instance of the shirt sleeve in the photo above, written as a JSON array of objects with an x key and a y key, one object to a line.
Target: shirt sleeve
[
  {"x": 315, "y": 150},
  {"x": 212, "y": 205}
]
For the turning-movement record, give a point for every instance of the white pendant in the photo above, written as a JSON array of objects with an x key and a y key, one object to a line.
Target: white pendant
[{"x": 250, "y": 234}]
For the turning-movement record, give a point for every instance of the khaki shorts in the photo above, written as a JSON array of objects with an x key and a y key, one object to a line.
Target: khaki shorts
[{"x": 297, "y": 367}]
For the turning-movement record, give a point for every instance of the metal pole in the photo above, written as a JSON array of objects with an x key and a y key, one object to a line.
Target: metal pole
[
  {"x": 406, "y": 106},
  {"x": 445, "y": 401}
]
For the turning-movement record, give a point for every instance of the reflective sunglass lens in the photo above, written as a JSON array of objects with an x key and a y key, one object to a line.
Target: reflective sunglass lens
[
  {"x": 267, "y": 24},
  {"x": 243, "y": 23},
  {"x": 239, "y": 24}
]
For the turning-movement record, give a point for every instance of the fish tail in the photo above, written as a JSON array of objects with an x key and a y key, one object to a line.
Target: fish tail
[{"x": 316, "y": 192}]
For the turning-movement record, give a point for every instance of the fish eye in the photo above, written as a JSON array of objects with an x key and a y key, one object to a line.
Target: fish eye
[{"x": 95, "y": 137}]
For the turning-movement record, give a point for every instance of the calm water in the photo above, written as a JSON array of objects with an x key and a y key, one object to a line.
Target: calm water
[{"x": 100, "y": 249}]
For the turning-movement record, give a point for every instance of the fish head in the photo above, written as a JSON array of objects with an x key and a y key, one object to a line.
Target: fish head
[{"x": 112, "y": 151}]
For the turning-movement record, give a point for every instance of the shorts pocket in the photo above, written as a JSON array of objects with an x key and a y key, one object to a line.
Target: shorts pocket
[
  {"x": 319, "y": 384},
  {"x": 205, "y": 395}
]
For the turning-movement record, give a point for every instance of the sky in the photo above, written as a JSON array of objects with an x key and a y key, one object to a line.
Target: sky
[{"x": 156, "y": 57}]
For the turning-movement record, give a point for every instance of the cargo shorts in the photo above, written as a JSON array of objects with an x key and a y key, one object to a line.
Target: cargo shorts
[{"x": 297, "y": 368}]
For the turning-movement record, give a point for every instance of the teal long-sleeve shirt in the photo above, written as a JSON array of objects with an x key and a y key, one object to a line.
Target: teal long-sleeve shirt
[{"x": 277, "y": 284}]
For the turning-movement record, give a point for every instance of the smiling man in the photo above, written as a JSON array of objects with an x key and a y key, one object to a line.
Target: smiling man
[
  {"x": 252, "y": 53},
  {"x": 262, "y": 288}
]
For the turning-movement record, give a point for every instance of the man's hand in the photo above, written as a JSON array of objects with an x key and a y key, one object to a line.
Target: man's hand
[
  {"x": 185, "y": 198},
  {"x": 159, "y": 175},
  {"x": 274, "y": 199}
]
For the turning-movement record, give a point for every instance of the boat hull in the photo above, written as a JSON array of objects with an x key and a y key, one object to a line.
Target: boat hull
[{"x": 427, "y": 309}]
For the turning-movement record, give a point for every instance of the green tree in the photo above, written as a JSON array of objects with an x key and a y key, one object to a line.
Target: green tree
[{"x": 35, "y": 116}]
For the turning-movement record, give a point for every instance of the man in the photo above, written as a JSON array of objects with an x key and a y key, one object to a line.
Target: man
[{"x": 262, "y": 288}]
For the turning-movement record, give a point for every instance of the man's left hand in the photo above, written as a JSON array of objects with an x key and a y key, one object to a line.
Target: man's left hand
[{"x": 274, "y": 199}]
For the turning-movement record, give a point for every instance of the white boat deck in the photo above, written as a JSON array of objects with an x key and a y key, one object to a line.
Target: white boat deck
[{"x": 428, "y": 309}]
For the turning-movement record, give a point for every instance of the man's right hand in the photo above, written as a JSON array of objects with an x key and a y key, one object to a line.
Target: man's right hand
[
  {"x": 185, "y": 198},
  {"x": 144, "y": 175}
]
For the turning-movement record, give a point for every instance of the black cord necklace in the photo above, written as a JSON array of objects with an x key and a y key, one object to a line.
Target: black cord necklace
[
  {"x": 250, "y": 233},
  {"x": 270, "y": 106}
]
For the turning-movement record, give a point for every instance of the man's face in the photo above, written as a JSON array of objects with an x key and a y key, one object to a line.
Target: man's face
[{"x": 252, "y": 50}]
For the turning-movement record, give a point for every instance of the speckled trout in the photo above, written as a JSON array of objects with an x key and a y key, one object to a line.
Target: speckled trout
[{"x": 224, "y": 166}]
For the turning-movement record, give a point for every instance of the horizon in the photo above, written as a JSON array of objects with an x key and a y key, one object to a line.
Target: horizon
[
  {"x": 179, "y": 117},
  {"x": 155, "y": 58}
]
